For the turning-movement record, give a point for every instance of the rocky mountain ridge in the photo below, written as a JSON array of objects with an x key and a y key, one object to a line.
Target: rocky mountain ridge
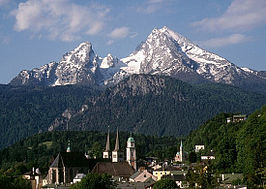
[{"x": 164, "y": 52}]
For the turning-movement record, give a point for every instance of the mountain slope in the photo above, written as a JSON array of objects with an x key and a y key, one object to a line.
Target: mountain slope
[
  {"x": 238, "y": 147},
  {"x": 79, "y": 66},
  {"x": 25, "y": 111},
  {"x": 149, "y": 104},
  {"x": 164, "y": 52},
  {"x": 158, "y": 105},
  {"x": 168, "y": 53}
]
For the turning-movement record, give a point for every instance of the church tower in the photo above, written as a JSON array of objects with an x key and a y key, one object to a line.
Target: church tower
[
  {"x": 68, "y": 147},
  {"x": 179, "y": 157},
  {"x": 107, "y": 153},
  {"x": 117, "y": 155},
  {"x": 181, "y": 152},
  {"x": 131, "y": 152}
]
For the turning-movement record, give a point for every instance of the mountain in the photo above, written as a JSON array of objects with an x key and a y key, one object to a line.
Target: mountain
[
  {"x": 79, "y": 66},
  {"x": 168, "y": 53},
  {"x": 26, "y": 110},
  {"x": 157, "y": 105},
  {"x": 164, "y": 52},
  {"x": 148, "y": 104}
]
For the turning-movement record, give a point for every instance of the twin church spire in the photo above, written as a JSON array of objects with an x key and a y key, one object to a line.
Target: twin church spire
[{"x": 117, "y": 155}]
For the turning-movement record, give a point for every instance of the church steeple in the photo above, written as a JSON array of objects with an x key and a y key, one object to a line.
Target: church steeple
[
  {"x": 181, "y": 151},
  {"x": 107, "y": 152},
  {"x": 117, "y": 141},
  {"x": 107, "y": 147},
  {"x": 117, "y": 155},
  {"x": 68, "y": 147}
]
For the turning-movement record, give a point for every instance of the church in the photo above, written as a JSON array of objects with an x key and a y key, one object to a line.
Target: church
[
  {"x": 115, "y": 164},
  {"x": 179, "y": 157},
  {"x": 68, "y": 164}
]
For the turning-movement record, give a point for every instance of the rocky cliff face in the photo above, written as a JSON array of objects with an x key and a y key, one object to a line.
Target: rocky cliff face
[
  {"x": 164, "y": 52},
  {"x": 79, "y": 66}
]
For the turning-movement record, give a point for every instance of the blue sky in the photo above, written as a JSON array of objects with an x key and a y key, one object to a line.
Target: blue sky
[{"x": 36, "y": 32}]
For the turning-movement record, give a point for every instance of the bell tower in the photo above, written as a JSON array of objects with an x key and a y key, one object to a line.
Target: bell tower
[
  {"x": 131, "y": 152},
  {"x": 117, "y": 155},
  {"x": 68, "y": 146},
  {"x": 181, "y": 152},
  {"x": 107, "y": 153}
]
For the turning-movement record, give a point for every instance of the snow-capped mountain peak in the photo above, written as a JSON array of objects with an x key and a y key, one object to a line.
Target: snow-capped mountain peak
[
  {"x": 81, "y": 54},
  {"x": 164, "y": 52}
]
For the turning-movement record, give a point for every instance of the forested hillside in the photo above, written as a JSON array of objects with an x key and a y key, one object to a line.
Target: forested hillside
[
  {"x": 25, "y": 111},
  {"x": 39, "y": 149},
  {"x": 162, "y": 106},
  {"x": 238, "y": 147},
  {"x": 153, "y": 105}
]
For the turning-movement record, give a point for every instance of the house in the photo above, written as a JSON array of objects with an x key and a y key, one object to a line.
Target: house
[
  {"x": 199, "y": 147},
  {"x": 180, "y": 180},
  {"x": 34, "y": 177},
  {"x": 208, "y": 156},
  {"x": 147, "y": 184},
  {"x": 141, "y": 176},
  {"x": 120, "y": 171},
  {"x": 165, "y": 171},
  {"x": 236, "y": 118},
  {"x": 78, "y": 177},
  {"x": 227, "y": 180}
]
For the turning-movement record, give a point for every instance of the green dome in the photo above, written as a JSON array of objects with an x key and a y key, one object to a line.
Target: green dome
[{"x": 130, "y": 139}]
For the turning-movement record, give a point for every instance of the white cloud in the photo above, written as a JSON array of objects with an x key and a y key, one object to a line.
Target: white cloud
[
  {"x": 109, "y": 42},
  {"x": 241, "y": 15},
  {"x": 225, "y": 41},
  {"x": 121, "y": 32},
  {"x": 59, "y": 19},
  {"x": 150, "y": 6}
]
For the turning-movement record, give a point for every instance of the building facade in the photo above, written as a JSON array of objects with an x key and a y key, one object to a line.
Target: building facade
[{"x": 131, "y": 153}]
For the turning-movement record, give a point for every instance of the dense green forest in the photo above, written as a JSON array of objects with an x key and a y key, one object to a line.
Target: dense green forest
[
  {"x": 25, "y": 111},
  {"x": 39, "y": 149},
  {"x": 153, "y": 105},
  {"x": 163, "y": 106},
  {"x": 238, "y": 147}
]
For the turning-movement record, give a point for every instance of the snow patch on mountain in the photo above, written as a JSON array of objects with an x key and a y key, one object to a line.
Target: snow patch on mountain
[{"x": 164, "y": 52}]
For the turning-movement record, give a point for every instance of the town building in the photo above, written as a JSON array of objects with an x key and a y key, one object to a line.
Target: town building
[
  {"x": 180, "y": 180},
  {"x": 199, "y": 147},
  {"x": 66, "y": 166},
  {"x": 117, "y": 154},
  {"x": 207, "y": 156},
  {"x": 131, "y": 153},
  {"x": 107, "y": 154},
  {"x": 179, "y": 155},
  {"x": 120, "y": 171},
  {"x": 142, "y": 176},
  {"x": 236, "y": 118},
  {"x": 165, "y": 171}
]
